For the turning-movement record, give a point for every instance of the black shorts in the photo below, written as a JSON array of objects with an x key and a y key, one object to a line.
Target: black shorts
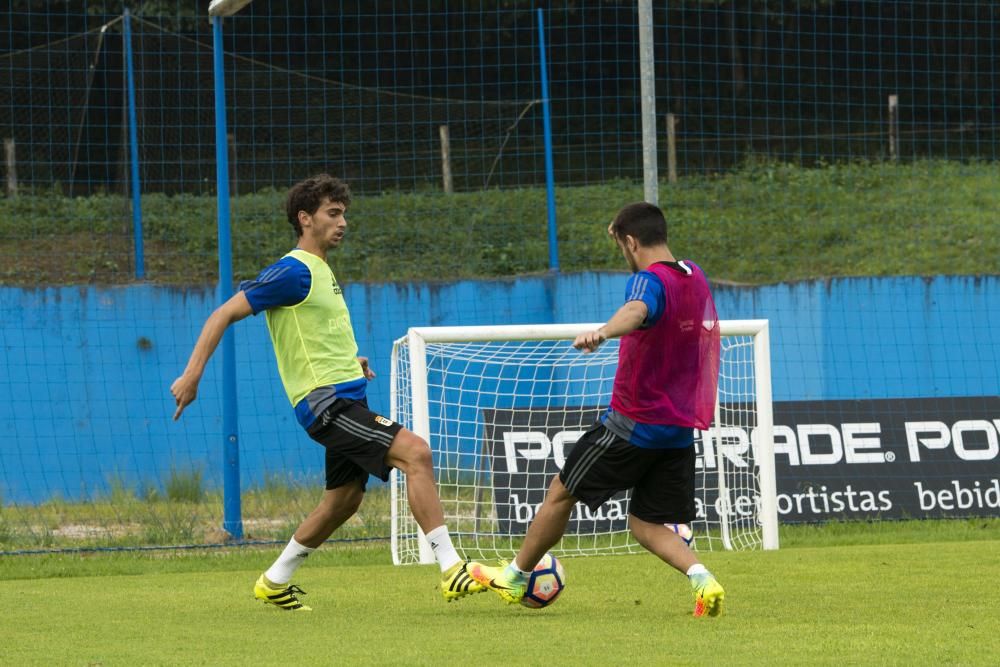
[
  {"x": 662, "y": 480},
  {"x": 356, "y": 441}
]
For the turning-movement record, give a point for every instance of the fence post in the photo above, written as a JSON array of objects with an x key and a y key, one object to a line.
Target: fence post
[
  {"x": 894, "y": 127},
  {"x": 133, "y": 141},
  {"x": 449, "y": 186},
  {"x": 231, "y": 143},
  {"x": 671, "y": 148},
  {"x": 550, "y": 178},
  {"x": 10, "y": 159},
  {"x": 232, "y": 519}
]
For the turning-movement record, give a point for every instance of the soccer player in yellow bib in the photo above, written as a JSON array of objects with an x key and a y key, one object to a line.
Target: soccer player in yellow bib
[{"x": 326, "y": 382}]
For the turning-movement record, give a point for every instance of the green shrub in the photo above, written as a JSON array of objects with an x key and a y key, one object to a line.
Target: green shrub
[{"x": 767, "y": 222}]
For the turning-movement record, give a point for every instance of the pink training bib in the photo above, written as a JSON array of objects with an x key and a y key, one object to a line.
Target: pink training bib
[{"x": 669, "y": 373}]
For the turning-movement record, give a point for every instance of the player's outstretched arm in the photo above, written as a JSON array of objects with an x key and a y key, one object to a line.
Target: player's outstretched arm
[
  {"x": 185, "y": 388},
  {"x": 628, "y": 318}
]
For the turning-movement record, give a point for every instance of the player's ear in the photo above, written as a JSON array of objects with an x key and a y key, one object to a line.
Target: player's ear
[{"x": 304, "y": 219}]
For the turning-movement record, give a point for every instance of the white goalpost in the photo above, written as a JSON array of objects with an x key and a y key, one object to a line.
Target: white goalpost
[{"x": 501, "y": 406}]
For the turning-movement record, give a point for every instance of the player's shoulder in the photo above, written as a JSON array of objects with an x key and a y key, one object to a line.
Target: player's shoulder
[
  {"x": 647, "y": 287},
  {"x": 290, "y": 261},
  {"x": 682, "y": 267},
  {"x": 689, "y": 266},
  {"x": 643, "y": 280},
  {"x": 284, "y": 269},
  {"x": 283, "y": 283},
  {"x": 643, "y": 274}
]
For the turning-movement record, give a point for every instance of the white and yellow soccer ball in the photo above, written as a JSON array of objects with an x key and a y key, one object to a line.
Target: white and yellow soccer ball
[
  {"x": 546, "y": 582},
  {"x": 683, "y": 531}
]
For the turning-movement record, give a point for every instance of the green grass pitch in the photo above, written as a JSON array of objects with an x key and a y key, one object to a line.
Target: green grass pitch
[{"x": 867, "y": 594}]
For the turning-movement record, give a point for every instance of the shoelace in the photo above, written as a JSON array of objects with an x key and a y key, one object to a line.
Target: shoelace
[{"x": 294, "y": 590}]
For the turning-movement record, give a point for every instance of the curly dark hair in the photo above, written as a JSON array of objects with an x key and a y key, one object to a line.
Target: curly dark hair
[{"x": 309, "y": 194}]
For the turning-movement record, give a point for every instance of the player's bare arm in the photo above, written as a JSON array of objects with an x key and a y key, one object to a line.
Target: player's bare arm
[
  {"x": 185, "y": 388},
  {"x": 628, "y": 318}
]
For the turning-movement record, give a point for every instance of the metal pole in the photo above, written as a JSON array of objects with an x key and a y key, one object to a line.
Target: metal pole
[
  {"x": 133, "y": 140},
  {"x": 648, "y": 93},
  {"x": 232, "y": 521},
  {"x": 550, "y": 185}
]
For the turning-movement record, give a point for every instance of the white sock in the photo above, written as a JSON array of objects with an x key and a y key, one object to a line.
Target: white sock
[
  {"x": 282, "y": 570},
  {"x": 697, "y": 568},
  {"x": 516, "y": 569},
  {"x": 445, "y": 553},
  {"x": 515, "y": 573}
]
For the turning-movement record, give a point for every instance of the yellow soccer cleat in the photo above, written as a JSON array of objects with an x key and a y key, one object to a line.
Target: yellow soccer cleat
[
  {"x": 281, "y": 597},
  {"x": 494, "y": 579},
  {"x": 708, "y": 595},
  {"x": 456, "y": 583}
]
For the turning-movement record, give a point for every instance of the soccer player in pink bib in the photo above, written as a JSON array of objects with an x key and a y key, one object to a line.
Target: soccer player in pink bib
[{"x": 665, "y": 387}]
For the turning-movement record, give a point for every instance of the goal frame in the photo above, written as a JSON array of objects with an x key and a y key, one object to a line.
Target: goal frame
[{"x": 417, "y": 338}]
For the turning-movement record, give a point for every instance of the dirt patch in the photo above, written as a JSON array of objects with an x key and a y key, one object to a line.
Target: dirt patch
[{"x": 86, "y": 532}]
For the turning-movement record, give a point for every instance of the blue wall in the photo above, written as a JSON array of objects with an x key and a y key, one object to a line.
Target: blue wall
[{"x": 85, "y": 372}]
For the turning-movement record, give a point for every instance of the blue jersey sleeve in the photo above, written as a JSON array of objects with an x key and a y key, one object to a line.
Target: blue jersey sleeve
[
  {"x": 284, "y": 283},
  {"x": 646, "y": 287}
]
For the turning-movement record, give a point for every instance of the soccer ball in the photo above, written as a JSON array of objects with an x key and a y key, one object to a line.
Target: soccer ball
[
  {"x": 545, "y": 584},
  {"x": 683, "y": 530}
]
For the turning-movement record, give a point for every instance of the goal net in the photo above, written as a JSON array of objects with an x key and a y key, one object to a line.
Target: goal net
[{"x": 502, "y": 406}]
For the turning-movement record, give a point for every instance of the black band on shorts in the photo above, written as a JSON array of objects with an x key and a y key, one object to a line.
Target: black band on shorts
[{"x": 356, "y": 441}]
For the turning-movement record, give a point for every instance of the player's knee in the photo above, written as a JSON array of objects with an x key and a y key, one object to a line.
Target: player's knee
[
  {"x": 351, "y": 502},
  {"x": 351, "y": 508},
  {"x": 410, "y": 453},
  {"x": 420, "y": 455},
  {"x": 559, "y": 496},
  {"x": 342, "y": 501}
]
